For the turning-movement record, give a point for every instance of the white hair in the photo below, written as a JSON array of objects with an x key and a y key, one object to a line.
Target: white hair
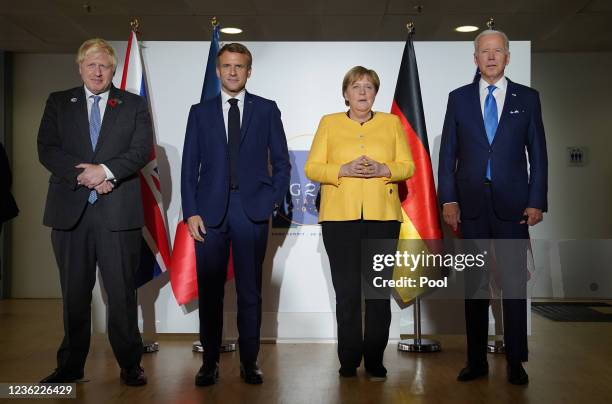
[{"x": 489, "y": 32}]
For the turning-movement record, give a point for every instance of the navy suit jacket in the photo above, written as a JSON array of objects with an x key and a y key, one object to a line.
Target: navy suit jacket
[
  {"x": 465, "y": 150},
  {"x": 205, "y": 172}
]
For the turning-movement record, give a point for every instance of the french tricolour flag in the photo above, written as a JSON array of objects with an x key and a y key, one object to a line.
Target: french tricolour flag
[{"x": 155, "y": 249}]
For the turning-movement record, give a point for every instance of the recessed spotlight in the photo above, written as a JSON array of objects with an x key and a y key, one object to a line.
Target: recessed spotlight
[
  {"x": 231, "y": 30},
  {"x": 466, "y": 28}
]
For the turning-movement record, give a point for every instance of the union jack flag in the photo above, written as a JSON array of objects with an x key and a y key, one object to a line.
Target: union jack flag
[{"x": 155, "y": 249}]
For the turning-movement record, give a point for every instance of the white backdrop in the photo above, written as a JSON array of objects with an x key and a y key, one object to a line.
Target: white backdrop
[{"x": 304, "y": 78}]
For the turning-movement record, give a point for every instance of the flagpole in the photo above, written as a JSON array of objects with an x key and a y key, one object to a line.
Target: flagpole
[
  {"x": 152, "y": 345},
  {"x": 418, "y": 343},
  {"x": 496, "y": 344}
]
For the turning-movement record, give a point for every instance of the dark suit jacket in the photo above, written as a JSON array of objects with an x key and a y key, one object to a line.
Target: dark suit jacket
[
  {"x": 124, "y": 145},
  {"x": 205, "y": 168},
  {"x": 8, "y": 207},
  {"x": 464, "y": 152}
]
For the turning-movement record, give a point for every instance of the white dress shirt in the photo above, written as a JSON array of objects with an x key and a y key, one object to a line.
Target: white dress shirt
[
  {"x": 499, "y": 94},
  {"x": 225, "y": 106},
  {"x": 102, "y": 105}
]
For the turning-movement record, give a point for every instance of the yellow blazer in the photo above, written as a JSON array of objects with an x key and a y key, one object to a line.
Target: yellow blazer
[{"x": 339, "y": 140}]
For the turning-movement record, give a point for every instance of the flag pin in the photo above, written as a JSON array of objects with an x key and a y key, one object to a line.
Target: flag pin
[{"x": 73, "y": 99}]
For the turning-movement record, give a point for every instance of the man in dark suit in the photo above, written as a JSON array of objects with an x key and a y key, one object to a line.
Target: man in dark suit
[
  {"x": 228, "y": 196},
  {"x": 94, "y": 139},
  {"x": 491, "y": 130}
]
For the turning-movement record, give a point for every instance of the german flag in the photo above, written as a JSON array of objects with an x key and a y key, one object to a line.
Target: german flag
[{"x": 418, "y": 194}]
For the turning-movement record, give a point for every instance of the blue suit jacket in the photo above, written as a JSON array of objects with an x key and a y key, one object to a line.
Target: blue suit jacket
[
  {"x": 465, "y": 150},
  {"x": 205, "y": 168}
]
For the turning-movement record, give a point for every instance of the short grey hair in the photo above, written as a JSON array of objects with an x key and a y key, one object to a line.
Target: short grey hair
[{"x": 489, "y": 32}]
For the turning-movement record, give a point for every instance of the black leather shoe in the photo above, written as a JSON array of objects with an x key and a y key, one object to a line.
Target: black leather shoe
[
  {"x": 471, "y": 372},
  {"x": 377, "y": 373},
  {"x": 251, "y": 373},
  {"x": 517, "y": 374},
  {"x": 347, "y": 371},
  {"x": 133, "y": 377},
  {"x": 60, "y": 376},
  {"x": 207, "y": 375}
]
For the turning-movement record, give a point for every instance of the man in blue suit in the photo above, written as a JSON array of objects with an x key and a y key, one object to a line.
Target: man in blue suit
[
  {"x": 492, "y": 129},
  {"x": 228, "y": 196}
]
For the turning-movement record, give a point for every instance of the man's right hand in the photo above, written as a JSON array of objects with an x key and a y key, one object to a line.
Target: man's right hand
[
  {"x": 195, "y": 224},
  {"x": 451, "y": 214}
]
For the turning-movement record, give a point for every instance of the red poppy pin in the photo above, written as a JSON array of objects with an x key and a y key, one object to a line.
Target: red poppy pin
[{"x": 113, "y": 102}]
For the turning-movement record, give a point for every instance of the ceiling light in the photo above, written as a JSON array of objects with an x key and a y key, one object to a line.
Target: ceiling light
[
  {"x": 466, "y": 28},
  {"x": 231, "y": 30}
]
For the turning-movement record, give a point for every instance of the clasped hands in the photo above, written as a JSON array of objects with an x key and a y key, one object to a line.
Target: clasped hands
[
  {"x": 93, "y": 176},
  {"x": 364, "y": 167}
]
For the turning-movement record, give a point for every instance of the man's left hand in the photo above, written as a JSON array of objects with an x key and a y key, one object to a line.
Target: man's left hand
[
  {"x": 533, "y": 216},
  {"x": 104, "y": 188},
  {"x": 92, "y": 175}
]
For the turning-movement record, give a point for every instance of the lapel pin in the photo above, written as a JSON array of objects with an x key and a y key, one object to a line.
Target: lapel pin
[
  {"x": 73, "y": 99},
  {"x": 514, "y": 95}
]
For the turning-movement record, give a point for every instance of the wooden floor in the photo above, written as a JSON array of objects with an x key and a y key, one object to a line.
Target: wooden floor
[{"x": 569, "y": 363}]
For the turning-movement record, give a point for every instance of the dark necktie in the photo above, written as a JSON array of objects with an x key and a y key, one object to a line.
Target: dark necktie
[{"x": 233, "y": 140}]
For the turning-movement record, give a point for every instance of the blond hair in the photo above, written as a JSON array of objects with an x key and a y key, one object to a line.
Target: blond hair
[
  {"x": 96, "y": 45},
  {"x": 355, "y": 74}
]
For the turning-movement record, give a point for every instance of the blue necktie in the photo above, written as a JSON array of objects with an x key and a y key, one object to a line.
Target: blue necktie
[
  {"x": 490, "y": 121},
  {"x": 95, "y": 123}
]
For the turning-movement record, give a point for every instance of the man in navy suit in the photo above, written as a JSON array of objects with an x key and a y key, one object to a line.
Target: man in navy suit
[
  {"x": 492, "y": 129},
  {"x": 228, "y": 196}
]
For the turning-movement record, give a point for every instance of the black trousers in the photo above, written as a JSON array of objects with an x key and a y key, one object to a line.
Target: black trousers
[
  {"x": 248, "y": 240},
  {"x": 509, "y": 241},
  {"x": 343, "y": 243},
  {"x": 117, "y": 254}
]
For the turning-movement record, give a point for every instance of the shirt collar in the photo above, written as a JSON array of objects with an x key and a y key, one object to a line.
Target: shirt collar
[
  {"x": 240, "y": 97},
  {"x": 501, "y": 84},
  {"x": 103, "y": 96}
]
